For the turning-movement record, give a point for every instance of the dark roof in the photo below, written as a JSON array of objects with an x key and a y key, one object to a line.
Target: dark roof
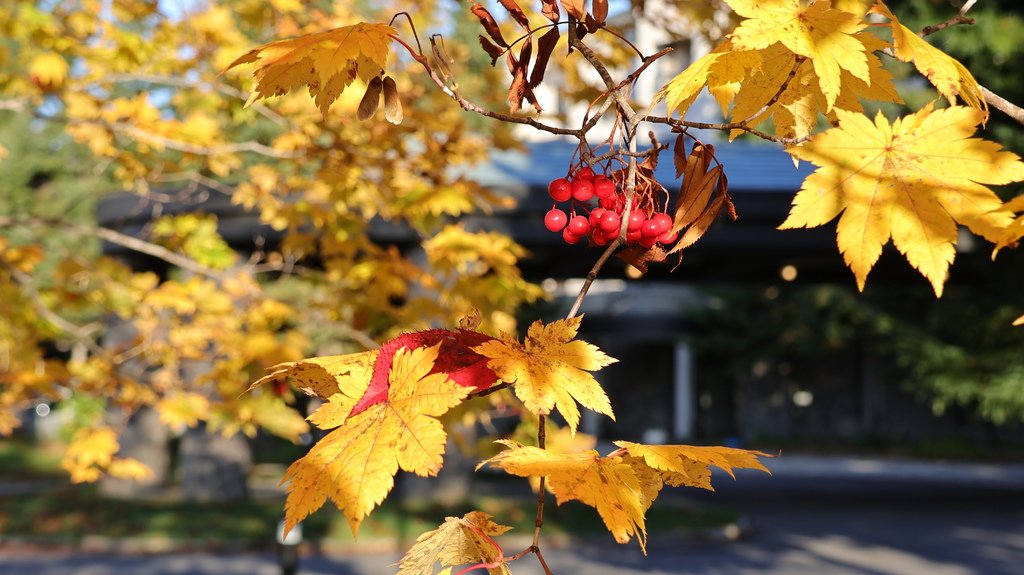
[{"x": 750, "y": 167}]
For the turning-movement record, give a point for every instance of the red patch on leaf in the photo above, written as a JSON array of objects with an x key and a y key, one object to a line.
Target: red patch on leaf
[{"x": 455, "y": 358}]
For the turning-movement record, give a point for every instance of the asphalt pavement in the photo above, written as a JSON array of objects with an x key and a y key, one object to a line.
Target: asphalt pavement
[{"x": 814, "y": 516}]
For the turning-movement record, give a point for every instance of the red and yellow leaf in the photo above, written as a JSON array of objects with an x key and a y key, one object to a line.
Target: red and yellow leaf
[
  {"x": 355, "y": 464},
  {"x": 912, "y": 181},
  {"x": 551, "y": 370}
]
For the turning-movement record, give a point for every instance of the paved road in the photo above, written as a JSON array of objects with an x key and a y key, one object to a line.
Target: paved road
[{"x": 802, "y": 524}]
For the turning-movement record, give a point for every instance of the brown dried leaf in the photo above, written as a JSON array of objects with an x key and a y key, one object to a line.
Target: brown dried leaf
[
  {"x": 371, "y": 99},
  {"x": 574, "y": 8},
  {"x": 492, "y": 50},
  {"x": 600, "y": 11},
  {"x": 698, "y": 184},
  {"x": 392, "y": 103},
  {"x": 700, "y": 226},
  {"x": 641, "y": 258},
  {"x": 489, "y": 24},
  {"x": 517, "y": 13},
  {"x": 550, "y": 10},
  {"x": 545, "y": 46}
]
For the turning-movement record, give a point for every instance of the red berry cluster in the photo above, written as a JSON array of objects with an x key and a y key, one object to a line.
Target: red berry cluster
[{"x": 601, "y": 223}]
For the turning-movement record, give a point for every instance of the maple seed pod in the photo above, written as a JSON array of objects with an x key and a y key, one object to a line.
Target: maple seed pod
[
  {"x": 392, "y": 104},
  {"x": 371, "y": 99}
]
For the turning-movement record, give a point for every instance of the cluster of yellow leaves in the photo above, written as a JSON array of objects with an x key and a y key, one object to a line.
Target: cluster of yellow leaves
[
  {"x": 791, "y": 62},
  {"x": 92, "y": 452},
  {"x": 622, "y": 485},
  {"x": 458, "y": 541},
  {"x": 912, "y": 181}
]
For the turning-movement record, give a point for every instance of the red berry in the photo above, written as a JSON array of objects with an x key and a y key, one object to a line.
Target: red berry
[
  {"x": 664, "y": 221},
  {"x": 668, "y": 238},
  {"x": 613, "y": 202},
  {"x": 651, "y": 229},
  {"x": 603, "y": 187},
  {"x": 595, "y": 216},
  {"x": 636, "y": 221},
  {"x": 648, "y": 241},
  {"x": 583, "y": 174},
  {"x": 610, "y": 222},
  {"x": 555, "y": 220},
  {"x": 582, "y": 190},
  {"x": 570, "y": 238},
  {"x": 600, "y": 238},
  {"x": 560, "y": 190},
  {"x": 633, "y": 236},
  {"x": 579, "y": 226}
]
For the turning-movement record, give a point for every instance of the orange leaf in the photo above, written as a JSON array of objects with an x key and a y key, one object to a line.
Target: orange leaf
[{"x": 328, "y": 62}]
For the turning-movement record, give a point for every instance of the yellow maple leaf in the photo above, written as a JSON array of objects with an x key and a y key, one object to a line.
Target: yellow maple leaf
[
  {"x": 951, "y": 78},
  {"x": 328, "y": 62},
  {"x": 355, "y": 465},
  {"x": 1011, "y": 236},
  {"x": 722, "y": 70},
  {"x": 458, "y": 541},
  {"x": 324, "y": 376},
  {"x": 551, "y": 370},
  {"x": 689, "y": 464},
  {"x": 817, "y": 31},
  {"x": 608, "y": 484},
  {"x": 913, "y": 181}
]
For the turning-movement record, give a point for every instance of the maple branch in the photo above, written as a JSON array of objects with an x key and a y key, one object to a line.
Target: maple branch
[
  {"x": 541, "y": 491},
  {"x": 471, "y": 107},
  {"x": 1003, "y": 105},
  {"x": 543, "y": 563},
  {"x": 80, "y": 333},
  {"x": 182, "y": 82},
  {"x": 778, "y": 93},
  {"x": 151, "y": 138},
  {"x": 954, "y": 21},
  {"x": 489, "y": 390},
  {"x": 131, "y": 242}
]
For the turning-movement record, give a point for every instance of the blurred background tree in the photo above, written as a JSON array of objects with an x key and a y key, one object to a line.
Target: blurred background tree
[{"x": 127, "y": 283}]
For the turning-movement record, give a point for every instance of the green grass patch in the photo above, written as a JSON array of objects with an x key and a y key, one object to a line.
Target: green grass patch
[
  {"x": 21, "y": 461},
  {"x": 70, "y": 515}
]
